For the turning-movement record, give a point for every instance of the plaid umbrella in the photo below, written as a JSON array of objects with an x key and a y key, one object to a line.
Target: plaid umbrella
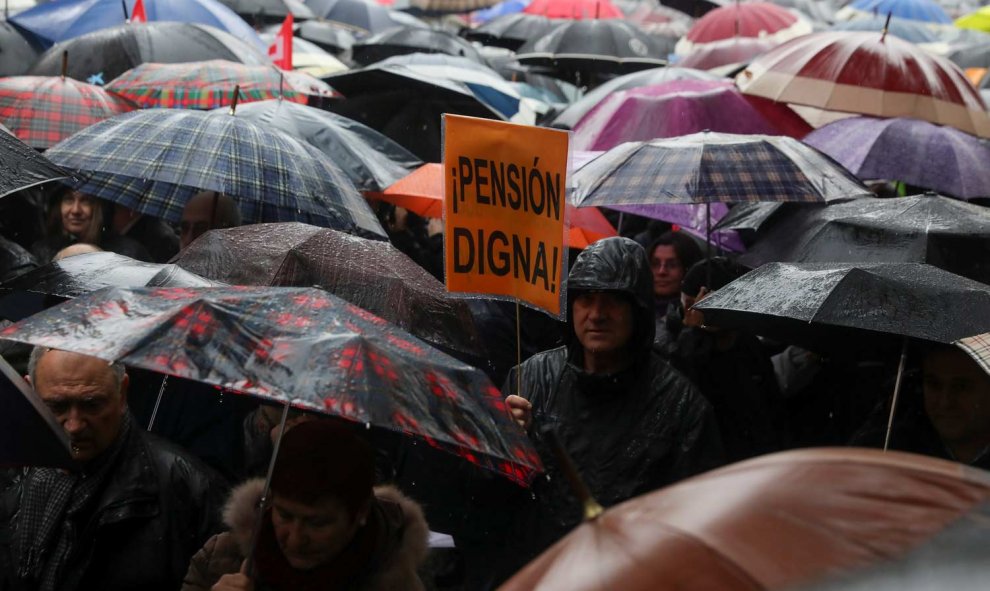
[
  {"x": 44, "y": 110},
  {"x": 300, "y": 346},
  {"x": 273, "y": 176},
  {"x": 210, "y": 84},
  {"x": 713, "y": 167}
]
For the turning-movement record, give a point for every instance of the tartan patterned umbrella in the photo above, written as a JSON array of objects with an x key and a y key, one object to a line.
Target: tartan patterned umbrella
[
  {"x": 273, "y": 176},
  {"x": 300, "y": 346},
  {"x": 711, "y": 168},
  {"x": 44, "y": 110},
  {"x": 210, "y": 84}
]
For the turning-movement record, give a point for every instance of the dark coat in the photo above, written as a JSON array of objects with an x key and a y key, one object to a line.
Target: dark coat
[
  {"x": 157, "y": 509},
  {"x": 395, "y": 566}
]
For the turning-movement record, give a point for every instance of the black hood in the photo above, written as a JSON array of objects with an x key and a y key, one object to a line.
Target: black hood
[{"x": 616, "y": 264}]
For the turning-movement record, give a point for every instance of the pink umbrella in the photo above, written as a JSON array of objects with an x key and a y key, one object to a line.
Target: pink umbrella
[
  {"x": 744, "y": 19},
  {"x": 682, "y": 107}
]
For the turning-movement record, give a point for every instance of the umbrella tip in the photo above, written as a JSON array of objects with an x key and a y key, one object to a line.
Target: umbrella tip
[
  {"x": 886, "y": 25},
  {"x": 65, "y": 63}
]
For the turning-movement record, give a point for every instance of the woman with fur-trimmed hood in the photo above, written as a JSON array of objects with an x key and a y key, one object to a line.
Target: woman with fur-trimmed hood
[{"x": 326, "y": 528}]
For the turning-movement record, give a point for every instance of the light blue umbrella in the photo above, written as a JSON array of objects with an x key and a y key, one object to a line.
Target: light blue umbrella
[
  {"x": 909, "y": 30},
  {"x": 917, "y": 10}
]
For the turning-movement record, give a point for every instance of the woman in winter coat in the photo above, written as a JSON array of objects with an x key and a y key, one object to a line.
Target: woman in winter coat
[{"x": 326, "y": 527}]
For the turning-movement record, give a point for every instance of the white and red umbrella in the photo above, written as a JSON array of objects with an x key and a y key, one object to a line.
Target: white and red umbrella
[
  {"x": 744, "y": 19},
  {"x": 870, "y": 74}
]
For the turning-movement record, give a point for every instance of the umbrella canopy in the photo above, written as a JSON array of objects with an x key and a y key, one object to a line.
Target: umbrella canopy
[
  {"x": 503, "y": 8},
  {"x": 404, "y": 105},
  {"x": 971, "y": 56},
  {"x": 919, "y": 153},
  {"x": 744, "y": 19},
  {"x": 333, "y": 37},
  {"x": 309, "y": 58},
  {"x": 908, "y": 30},
  {"x": 269, "y": 11},
  {"x": 371, "y": 160},
  {"x": 373, "y": 275},
  {"x": 271, "y": 175},
  {"x": 682, "y": 107},
  {"x": 29, "y": 433},
  {"x": 917, "y": 10},
  {"x": 867, "y": 73},
  {"x": 16, "y": 54},
  {"x": 765, "y": 524},
  {"x": 836, "y": 304},
  {"x": 44, "y": 110},
  {"x": 74, "y": 276},
  {"x": 727, "y": 52},
  {"x": 940, "y": 231},
  {"x": 22, "y": 167},
  {"x": 53, "y": 22},
  {"x": 300, "y": 346},
  {"x": 447, "y": 7},
  {"x": 511, "y": 31},
  {"x": 596, "y": 45},
  {"x": 406, "y": 40},
  {"x": 713, "y": 167},
  {"x": 209, "y": 84},
  {"x": 569, "y": 117},
  {"x": 421, "y": 192},
  {"x": 366, "y": 16},
  {"x": 574, "y": 9},
  {"x": 100, "y": 56},
  {"x": 978, "y": 20}
]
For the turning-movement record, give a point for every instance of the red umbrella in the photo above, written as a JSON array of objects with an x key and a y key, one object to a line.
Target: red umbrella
[
  {"x": 867, "y": 73},
  {"x": 574, "y": 9},
  {"x": 744, "y": 19},
  {"x": 44, "y": 110}
]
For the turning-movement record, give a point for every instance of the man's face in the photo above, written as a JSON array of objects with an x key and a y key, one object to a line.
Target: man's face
[
  {"x": 77, "y": 212},
  {"x": 957, "y": 397},
  {"x": 311, "y": 534},
  {"x": 667, "y": 271},
  {"x": 603, "y": 321},
  {"x": 196, "y": 217},
  {"x": 82, "y": 394}
]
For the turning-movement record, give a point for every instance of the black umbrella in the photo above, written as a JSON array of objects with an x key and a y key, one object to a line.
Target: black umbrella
[
  {"x": 971, "y": 56},
  {"x": 594, "y": 46},
  {"x": 333, "y": 37},
  {"x": 22, "y": 167},
  {"x": 101, "y": 56},
  {"x": 403, "y": 105},
  {"x": 406, "y": 40},
  {"x": 947, "y": 233},
  {"x": 74, "y": 276},
  {"x": 261, "y": 12},
  {"x": 14, "y": 260},
  {"x": 511, "y": 31},
  {"x": 16, "y": 54},
  {"x": 371, "y": 160},
  {"x": 363, "y": 15},
  {"x": 693, "y": 8},
  {"x": 29, "y": 433}
]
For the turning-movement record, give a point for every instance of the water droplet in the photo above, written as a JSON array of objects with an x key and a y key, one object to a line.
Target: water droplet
[{"x": 367, "y": 425}]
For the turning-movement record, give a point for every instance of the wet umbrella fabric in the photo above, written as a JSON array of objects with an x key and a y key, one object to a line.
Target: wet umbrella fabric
[
  {"x": 74, "y": 276},
  {"x": 611, "y": 45},
  {"x": 918, "y": 10},
  {"x": 728, "y": 52},
  {"x": 829, "y": 305},
  {"x": 44, "y": 110},
  {"x": 333, "y": 37},
  {"x": 908, "y": 30},
  {"x": 100, "y": 56},
  {"x": 870, "y": 74},
  {"x": 406, "y": 40},
  {"x": 29, "y": 433},
  {"x": 971, "y": 56},
  {"x": 512, "y": 30},
  {"x": 270, "y": 11},
  {"x": 366, "y": 16},
  {"x": 370, "y": 274},
  {"x": 749, "y": 19},
  {"x": 574, "y": 9},
  {"x": 193, "y": 150},
  {"x": 916, "y": 152},
  {"x": 713, "y": 167},
  {"x": 209, "y": 85},
  {"x": 682, "y": 107},
  {"x": 779, "y": 520},
  {"x": 16, "y": 54},
  {"x": 371, "y": 160},
  {"x": 300, "y": 346},
  {"x": 53, "y": 22},
  {"x": 22, "y": 167},
  {"x": 940, "y": 231}
]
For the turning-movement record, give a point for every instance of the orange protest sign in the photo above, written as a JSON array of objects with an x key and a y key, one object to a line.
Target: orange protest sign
[{"x": 504, "y": 211}]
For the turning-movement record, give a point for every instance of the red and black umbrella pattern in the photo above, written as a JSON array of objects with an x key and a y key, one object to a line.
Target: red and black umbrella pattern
[
  {"x": 44, "y": 110},
  {"x": 300, "y": 345}
]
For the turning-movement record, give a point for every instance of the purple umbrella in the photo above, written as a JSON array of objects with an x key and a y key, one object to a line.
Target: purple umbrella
[
  {"x": 682, "y": 107},
  {"x": 691, "y": 218},
  {"x": 916, "y": 152}
]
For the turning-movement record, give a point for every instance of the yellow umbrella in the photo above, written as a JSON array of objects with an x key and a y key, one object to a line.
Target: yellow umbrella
[{"x": 979, "y": 20}]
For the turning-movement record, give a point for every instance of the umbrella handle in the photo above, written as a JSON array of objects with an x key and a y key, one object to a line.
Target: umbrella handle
[
  {"x": 897, "y": 391},
  {"x": 256, "y": 530},
  {"x": 158, "y": 403}
]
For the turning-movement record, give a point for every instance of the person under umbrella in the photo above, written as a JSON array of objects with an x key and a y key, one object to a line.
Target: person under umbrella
[{"x": 77, "y": 217}]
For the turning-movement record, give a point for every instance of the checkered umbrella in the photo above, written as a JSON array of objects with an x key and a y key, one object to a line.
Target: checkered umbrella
[
  {"x": 153, "y": 160},
  {"x": 711, "y": 168},
  {"x": 44, "y": 110},
  {"x": 210, "y": 84}
]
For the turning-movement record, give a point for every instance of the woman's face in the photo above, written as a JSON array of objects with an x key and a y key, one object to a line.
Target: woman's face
[
  {"x": 667, "y": 272},
  {"x": 77, "y": 212},
  {"x": 310, "y": 535}
]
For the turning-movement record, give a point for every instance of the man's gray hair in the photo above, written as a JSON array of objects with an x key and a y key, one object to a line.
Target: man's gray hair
[{"x": 117, "y": 369}]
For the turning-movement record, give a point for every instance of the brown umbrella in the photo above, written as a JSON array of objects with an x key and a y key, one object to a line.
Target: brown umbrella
[{"x": 769, "y": 523}]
